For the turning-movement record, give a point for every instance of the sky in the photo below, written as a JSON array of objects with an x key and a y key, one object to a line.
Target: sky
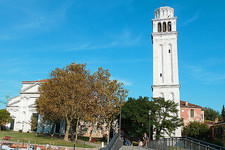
[{"x": 37, "y": 36}]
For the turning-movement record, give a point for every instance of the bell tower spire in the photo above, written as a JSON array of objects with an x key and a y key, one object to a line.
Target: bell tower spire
[{"x": 165, "y": 59}]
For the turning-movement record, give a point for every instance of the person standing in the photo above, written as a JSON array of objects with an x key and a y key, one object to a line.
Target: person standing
[{"x": 146, "y": 139}]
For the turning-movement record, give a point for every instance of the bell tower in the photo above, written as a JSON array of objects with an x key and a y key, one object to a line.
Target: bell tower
[{"x": 165, "y": 60}]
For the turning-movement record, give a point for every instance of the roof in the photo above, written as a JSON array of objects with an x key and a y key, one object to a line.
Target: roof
[
  {"x": 182, "y": 104},
  {"x": 220, "y": 123},
  {"x": 43, "y": 80},
  {"x": 209, "y": 122}
]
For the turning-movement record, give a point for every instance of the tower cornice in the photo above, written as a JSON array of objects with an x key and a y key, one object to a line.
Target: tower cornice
[
  {"x": 164, "y": 19},
  {"x": 160, "y": 34},
  {"x": 166, "y": 86},
  {"x": 164, "y": 33}
]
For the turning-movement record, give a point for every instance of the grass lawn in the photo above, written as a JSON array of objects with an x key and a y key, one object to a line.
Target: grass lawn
[{"x": 39, "y": 139}]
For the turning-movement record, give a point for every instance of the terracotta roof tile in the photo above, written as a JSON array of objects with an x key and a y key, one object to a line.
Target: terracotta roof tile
[{"x": 182, "y": 104}]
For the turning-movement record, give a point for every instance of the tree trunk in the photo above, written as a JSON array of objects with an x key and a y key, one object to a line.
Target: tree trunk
[
  {"x": 43, "y": 128},
  {"x": 60, "y": 130},
  {"x": 67, "y": 130},
  {"x": 108, "y": 136},
  {"x": 77, "y": 129},
  {"x": 90, "y": 137},
  {"x": 53, "y": 126}
]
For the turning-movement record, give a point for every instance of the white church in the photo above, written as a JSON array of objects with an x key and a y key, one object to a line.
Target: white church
[
  {"x": 165, "y": 73},
  {"x": 23, "y": 107}
]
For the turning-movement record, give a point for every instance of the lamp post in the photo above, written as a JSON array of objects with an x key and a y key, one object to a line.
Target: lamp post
[
  {"x": 121, "y": 91},
  {"x": 149, "y": 112}
]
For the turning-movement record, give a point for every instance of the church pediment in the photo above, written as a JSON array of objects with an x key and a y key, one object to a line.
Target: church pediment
[
  {"x": 13, "y": 102},
  {"x": 33, "y": 88}
]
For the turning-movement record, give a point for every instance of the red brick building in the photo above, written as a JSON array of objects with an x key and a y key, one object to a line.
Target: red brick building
[{"x": 191, "y": 112}]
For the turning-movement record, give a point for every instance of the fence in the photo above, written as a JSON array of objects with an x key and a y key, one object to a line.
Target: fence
[
  {"x": 182, "y": 143},
  {"x": 28, "y": 146},
  {"x": 115, "y": 143}
]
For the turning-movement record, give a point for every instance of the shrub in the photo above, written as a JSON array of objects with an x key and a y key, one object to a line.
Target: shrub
[{"x": 197, "y": 130}]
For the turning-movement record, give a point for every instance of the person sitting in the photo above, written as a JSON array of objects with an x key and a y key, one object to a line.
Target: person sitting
[
  {"x": 140, "y": 144},
  {"x": 128, "y": 143}
]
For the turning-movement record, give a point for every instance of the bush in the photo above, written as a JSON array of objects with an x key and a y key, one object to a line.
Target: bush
[
  {"x": 20, "y": 131},
  {"x": 197, "y": 130}
]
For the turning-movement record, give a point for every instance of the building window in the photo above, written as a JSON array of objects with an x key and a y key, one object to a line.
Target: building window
[
  {"x": 161, "y": 95},
  {"x": 171, "y": 96},
  {"x": 192, "y": 113},
  {"x": 202, "y": 116},
  {"x": 164, "y": 27},
  {"x": 159, "y": 27},
  {"x": 169, "y": 50},
  {"x": 160, "y": 74},
  {"x": 12, "y": 124},
  {"x": 169, "y": 26}
]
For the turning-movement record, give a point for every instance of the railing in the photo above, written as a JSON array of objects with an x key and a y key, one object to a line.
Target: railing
[
  {"x": 182, "y": 143},
  {"x": 115, "y": 144}
]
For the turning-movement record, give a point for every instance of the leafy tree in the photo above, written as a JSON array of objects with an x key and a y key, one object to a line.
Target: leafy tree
[
  {"x": 66, "y": 94},
  {"x": 197, "y": 130},
  {"x": 135, "y": 118},
  {"x": 33, "y": 123},
  {"x": 165, "y": 117},
  {"x": 223, "y": 113},
  {"x": 108, "y": 97},
  {"x": 211, "y": 114},
  {"x": 4, "y": 117}
]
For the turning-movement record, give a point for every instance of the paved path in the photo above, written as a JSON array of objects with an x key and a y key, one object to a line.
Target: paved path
[{"x": 133, "y": 148}]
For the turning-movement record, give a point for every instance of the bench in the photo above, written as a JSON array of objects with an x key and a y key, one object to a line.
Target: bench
[{"x": 7, "y": 138}]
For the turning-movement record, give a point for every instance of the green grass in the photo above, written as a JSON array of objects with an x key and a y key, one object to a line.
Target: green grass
[
  {"x": 98, "y": 140},
  {"x": 39, "y": 139}
]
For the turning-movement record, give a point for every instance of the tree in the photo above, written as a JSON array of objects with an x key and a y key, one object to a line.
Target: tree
[
  {"x": 109, "y": 97},
  {"x": 223, "y": 113},
  {"x": 135, "y": 117},
  {"x": 165, "y": 117},
  {"x": 211, "y": 114},
  {"x": 66, "y": 94},
  {"x": 33, "y": 123},
  {"x": 197, "y": 130},
  {"x": 4, "y": 117}
]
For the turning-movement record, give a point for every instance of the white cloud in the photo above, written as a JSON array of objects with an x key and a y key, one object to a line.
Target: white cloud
[
  {"x": 205, "y": 75},
  {"x": 124, "y": 39},
  {"x": 192, "y": 19},
  {"x": 124, "y": 81}
]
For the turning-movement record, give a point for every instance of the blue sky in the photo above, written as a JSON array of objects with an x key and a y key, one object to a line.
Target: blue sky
[{"x": 38, "y": 36}]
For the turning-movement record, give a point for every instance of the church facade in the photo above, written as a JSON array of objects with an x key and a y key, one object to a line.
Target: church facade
[
  {"x": 165, "y": 59},
  {"x": 22, "y": 107}
]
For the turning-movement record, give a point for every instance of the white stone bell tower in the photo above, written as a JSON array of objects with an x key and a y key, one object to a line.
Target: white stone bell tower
[{"x": 165, "y": 61}]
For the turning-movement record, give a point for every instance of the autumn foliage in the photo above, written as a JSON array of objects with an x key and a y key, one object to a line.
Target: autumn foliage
[{"x": 73, "y": 94}]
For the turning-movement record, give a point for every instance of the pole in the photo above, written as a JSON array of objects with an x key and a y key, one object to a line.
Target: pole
[
  {"x": 28, "y": 145},
  {"x": 17, "y": 144},
  {"x": 149, "y": 124},
  {"x": 50, "y": 146},
  {"x": 1, "y": 145},
  {"x": 120, "y": 116}
]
